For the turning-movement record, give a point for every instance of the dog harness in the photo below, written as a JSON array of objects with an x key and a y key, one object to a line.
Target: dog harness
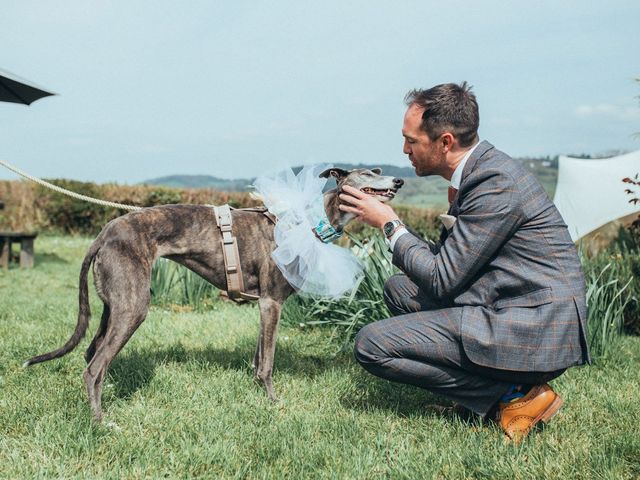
[{"x": 232, "y": 265}]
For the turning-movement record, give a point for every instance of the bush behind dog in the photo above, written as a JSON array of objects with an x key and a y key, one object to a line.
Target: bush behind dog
[{"x": 31, "y": 207}]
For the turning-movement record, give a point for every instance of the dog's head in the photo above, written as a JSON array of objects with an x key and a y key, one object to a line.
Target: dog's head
[{"x": 371, "y": 182}]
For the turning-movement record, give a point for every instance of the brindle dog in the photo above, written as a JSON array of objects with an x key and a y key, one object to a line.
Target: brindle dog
[{"x": 125, "y": 250}]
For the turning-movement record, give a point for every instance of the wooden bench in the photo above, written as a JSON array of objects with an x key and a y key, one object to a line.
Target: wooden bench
[{"x": 26, "y": 248}]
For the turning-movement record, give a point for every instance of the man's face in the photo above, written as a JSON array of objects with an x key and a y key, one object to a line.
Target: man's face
[{"x": 426, "y": 156}]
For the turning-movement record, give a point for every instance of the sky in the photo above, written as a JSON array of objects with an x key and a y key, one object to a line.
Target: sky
[{"x": 237, "y": 89}]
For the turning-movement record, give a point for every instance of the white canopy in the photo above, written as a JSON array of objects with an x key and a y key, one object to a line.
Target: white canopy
[{"x": 590, "y": 192}]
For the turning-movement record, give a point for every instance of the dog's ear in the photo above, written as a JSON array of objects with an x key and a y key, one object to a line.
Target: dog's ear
[
  {"x": 338, "y": 173},
  {"x": 377, "y": 171}
]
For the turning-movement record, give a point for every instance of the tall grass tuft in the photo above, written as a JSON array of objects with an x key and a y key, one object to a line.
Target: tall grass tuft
[
  {"x": 348, "y": 314},
  {"x": 608, "y": 279},
  {"x": 172, "y": 283},
  {"x": 195, "y": 290},
  {"x": 606, "y": 303},
  {"x": 164, "y": 277}
]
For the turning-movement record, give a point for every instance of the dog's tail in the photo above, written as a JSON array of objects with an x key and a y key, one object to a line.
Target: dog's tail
[{"x": 84, "y": 312}]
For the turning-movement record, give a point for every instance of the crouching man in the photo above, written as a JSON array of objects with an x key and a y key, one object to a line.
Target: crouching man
[{"x": 494, "y": 310}]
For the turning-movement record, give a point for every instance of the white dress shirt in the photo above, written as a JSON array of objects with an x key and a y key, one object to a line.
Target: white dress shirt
[{"x": 456, "y": 179}]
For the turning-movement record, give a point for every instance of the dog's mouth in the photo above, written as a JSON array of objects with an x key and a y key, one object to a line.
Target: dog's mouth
[{"x": 387, "y": 193}]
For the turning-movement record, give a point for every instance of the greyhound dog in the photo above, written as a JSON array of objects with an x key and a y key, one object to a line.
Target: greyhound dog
[{"x": 124, "y": 252}]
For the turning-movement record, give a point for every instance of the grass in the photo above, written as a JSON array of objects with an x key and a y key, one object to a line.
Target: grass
[{"x": 180, "y": 402}]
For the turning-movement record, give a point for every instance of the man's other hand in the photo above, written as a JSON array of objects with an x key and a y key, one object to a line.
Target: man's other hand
[{"x": 365, "y": 207}]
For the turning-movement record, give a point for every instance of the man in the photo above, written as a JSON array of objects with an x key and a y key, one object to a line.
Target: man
[{"x": 494, "y": 310}]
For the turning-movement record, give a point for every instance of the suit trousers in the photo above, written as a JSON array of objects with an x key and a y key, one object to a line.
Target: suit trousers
[{"x": 422, "y": 346}]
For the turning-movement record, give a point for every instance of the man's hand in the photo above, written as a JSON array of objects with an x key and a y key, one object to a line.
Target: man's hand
[{"x": 365, "y": 207}]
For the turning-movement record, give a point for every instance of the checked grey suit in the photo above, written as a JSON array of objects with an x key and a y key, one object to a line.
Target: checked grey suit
[{"x": 500, "y": 299}]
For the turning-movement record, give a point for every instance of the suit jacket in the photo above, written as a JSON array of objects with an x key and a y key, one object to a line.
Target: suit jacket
[{"x": 510, "y": 263}]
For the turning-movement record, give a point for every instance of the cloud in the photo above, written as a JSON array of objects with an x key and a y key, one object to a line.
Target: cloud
[{"x": 608, "y": 110}]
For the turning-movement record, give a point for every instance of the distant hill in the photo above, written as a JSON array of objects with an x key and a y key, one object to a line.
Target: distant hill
[{"x": 200, "y": 181}]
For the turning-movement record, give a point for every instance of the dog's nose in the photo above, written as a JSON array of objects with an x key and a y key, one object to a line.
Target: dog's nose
[{"x": 398, "y": 182}]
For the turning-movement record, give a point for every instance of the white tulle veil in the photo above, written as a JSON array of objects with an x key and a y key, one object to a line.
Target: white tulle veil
[{"x": 309, "y": 265}]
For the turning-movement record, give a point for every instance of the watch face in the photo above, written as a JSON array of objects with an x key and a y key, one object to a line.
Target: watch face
[{"x": 388, "y": 228}]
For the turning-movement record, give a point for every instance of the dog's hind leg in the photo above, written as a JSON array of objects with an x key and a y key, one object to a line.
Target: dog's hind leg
[
  {"x": 119, "y": 330},
  {"x": 97, "y": 339},
  {"x": 126, "y": 295},
  {"x": 269, "y": 319}
]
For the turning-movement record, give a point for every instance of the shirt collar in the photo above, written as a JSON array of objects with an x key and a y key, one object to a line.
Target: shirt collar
[{"x": 456, "y": 178}]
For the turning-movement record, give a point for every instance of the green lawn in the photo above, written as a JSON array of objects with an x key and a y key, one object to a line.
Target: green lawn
[{"x": 180, "y": 402}]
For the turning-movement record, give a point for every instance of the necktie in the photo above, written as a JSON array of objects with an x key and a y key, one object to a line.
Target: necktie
[{"x": 452, "y": 192}]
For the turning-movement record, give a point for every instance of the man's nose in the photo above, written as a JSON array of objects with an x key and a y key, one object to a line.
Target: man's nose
[{"x": 398, "y": 182}]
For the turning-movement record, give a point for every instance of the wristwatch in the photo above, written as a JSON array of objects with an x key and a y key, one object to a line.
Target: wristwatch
[{"x": 391, "y": 227}]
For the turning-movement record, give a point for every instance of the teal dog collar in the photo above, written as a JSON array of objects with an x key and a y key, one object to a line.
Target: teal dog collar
[{"x": 325, "y": 231}]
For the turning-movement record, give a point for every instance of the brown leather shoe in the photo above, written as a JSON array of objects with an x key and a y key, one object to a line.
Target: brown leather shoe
[{"x": 517, "y": 418}]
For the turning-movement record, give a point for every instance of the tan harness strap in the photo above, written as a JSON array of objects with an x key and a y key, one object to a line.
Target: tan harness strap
[
  {"x": 263, "y": 210},
  {"x": 232, "y": 267}
]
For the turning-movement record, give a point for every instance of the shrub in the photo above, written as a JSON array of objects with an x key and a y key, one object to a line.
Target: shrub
[
  {"x": 162, "y": 196},
  {"x": 19, "y": 212},
  {"x": 67, "y": 214}
]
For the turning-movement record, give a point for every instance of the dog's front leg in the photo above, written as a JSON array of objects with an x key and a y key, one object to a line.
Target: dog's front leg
[{"x": 269, "y": 318}]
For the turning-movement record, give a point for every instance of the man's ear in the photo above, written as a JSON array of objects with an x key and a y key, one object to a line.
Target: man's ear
[
  {"x": 334, "y": 172},
  {"x": 447, "y": 141},
  {"x": 377, "y": 171}
]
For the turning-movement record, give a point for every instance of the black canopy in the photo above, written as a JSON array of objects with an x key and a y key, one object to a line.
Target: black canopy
[{"x": 17, "y": 91}]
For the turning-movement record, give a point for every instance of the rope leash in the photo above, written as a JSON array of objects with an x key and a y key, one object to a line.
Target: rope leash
[{"x": 64, "y": 191}]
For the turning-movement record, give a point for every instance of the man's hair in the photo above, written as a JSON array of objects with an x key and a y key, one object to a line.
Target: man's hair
[{"x": 448, "y": 107}]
